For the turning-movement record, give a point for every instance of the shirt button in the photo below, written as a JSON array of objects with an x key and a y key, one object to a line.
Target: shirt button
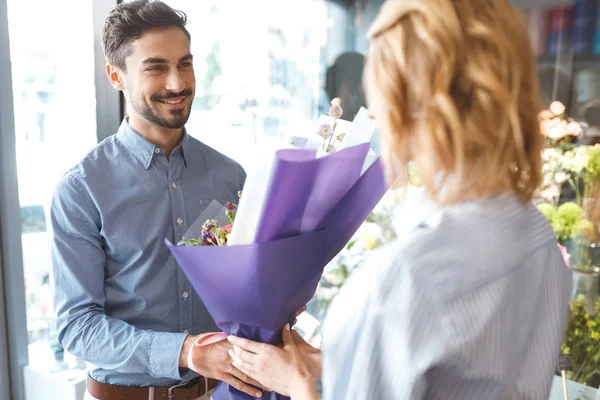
[
  {"x": 186, "y": 331},
  {"x": 157, "y": 150},
  {"x": 174, "y": 185},
  {"x": 185, "y": 295},
  {"x": 179, "y": 221}
]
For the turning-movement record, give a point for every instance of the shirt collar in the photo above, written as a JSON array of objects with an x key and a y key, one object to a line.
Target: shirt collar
[{"x": 143, "y": 150}]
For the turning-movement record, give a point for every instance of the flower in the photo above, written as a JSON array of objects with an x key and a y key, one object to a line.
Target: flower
[
  {"x": 565, "y": 254},
  {"x": 560, "y": 177},
  {"x": 227, "y": 228},
  {"x": 557, "y": 108},
  {"x": 545, "y": 114},
  {"x": 550, "y": 154},
  {"x": 336, "y": 102},
  {"x": 547, "y": 211},
  {"x": 369, "y": 235},
  {"x": 335, "y": 273},
  {"x": 336, "y": 111},
  {"x": 573, "y": 128},
  {"x": 550, "y": 193},
  {"x": 212, "y": 233},
  {"x": 325, "y": 131},
  {"x": 565, "y": 220},
  {"x": 557, "y": 129}
]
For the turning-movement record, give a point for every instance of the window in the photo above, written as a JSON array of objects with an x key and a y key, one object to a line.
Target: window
[
  {"x": 55, "y": 125},
  {"x": 261, "y": 69}
]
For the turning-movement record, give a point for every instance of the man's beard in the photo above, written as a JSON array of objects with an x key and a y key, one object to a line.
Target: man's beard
[{"x": 180, "y": 116}]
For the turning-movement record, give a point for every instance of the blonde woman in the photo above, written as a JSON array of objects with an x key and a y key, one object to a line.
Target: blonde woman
[{"x": 470, "y": 303}]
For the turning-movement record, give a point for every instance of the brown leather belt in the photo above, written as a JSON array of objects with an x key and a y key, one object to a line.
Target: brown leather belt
[{"x": 189, "y": 390}]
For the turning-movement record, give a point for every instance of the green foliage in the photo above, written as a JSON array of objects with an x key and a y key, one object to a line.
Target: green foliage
[{"x": 582, "y": 341}]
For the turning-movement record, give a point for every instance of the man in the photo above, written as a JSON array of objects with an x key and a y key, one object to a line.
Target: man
[
  {"x": 344, "y": 80},
  {"x": 122, "y": 303}
]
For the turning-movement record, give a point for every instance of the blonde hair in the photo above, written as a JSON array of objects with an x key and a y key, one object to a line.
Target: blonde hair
[{"x": 453, "y": 85}]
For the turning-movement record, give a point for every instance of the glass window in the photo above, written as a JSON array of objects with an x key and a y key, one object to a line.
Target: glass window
[
  {"x": 55, "y": 124},
  {"x": 265, "y": 69}
]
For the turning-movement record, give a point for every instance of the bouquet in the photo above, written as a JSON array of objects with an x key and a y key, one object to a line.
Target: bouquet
[
  {"x": 300, "y": 207},
  {"x": 212, "y": 233}
]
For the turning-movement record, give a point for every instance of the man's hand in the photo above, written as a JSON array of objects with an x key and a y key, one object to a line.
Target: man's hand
[{"x": 213, "y": 361}]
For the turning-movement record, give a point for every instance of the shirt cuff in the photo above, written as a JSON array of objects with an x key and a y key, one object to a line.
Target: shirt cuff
[{"x": 163, "y": 355}]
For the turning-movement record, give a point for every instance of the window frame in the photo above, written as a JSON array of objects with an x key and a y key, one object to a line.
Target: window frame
[{"x": 109, "y": 113}]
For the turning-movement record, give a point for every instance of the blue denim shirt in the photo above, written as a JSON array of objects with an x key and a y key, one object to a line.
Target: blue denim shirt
[{"x": 122, "y": 302}]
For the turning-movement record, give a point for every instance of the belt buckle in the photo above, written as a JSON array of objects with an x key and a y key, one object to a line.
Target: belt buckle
[{"x": 180, "y": 386}]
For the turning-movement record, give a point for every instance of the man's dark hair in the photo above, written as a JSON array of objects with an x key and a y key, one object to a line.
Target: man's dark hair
[{"x": 129, "y": 21}]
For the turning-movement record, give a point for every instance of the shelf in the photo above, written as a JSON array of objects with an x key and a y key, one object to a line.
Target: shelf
[{"x": 579, "y": 62}]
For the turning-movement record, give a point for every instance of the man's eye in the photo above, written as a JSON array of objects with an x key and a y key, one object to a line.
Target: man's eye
[
  {"x": 186, "y": 65},
  {"x": 156, "y": 68}
]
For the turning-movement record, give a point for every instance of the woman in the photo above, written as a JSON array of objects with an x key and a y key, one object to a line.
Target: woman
[{"x": 471, "y": 301}]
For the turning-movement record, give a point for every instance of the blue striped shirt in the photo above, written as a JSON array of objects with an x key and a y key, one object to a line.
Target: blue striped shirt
[
  {"x": 122, "y": 303},
  {"x": 469, "y": 303}
]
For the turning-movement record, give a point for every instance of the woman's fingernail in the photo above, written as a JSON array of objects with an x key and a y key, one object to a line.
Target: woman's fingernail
[
  {"x": 231, "y": 338},
  {"x": 287, "y": 327},
  {"x": 230, "y": 352}
]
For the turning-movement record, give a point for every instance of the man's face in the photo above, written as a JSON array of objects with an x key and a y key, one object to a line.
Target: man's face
[{"x": 159, "y": 81}]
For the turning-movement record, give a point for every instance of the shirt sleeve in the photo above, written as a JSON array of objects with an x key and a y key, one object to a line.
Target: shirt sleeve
[{"x": 78, "y": 262}]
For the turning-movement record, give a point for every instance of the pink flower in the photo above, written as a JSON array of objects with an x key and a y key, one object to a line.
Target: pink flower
[
  {"x": 550, "y": 193},
  {"x": 557, "y": 129},
  {"x": 565, "y": 254},
  {"x": 325, "y": 131},
  {"x": 545, "y": 127},
  {"x": 545, "y": 114},
  {"x": 573, "y": 128},
  {"x": 557, "y": 108},
  {"x": 335, "y": 111},
  {"x": 227, "y": 228}
]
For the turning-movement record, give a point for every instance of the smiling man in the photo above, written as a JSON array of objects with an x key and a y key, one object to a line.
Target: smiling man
[{"x": 122, "y": 303}]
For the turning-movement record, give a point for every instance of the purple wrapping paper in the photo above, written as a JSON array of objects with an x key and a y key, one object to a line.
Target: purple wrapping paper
[{"x": 314, "y": 207}]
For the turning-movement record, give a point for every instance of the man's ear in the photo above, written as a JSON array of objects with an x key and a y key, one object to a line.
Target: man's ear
[{"x": 115, "y": 77}]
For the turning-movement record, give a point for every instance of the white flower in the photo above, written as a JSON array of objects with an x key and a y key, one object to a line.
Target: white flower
[
  {"x": 549, "y": 154},
  {"x": 560, "y": 177},
  {"x": 369, "y": 235},
  {"x": 557, "y": 108},
  {"x": 575, "y": 163},
  {"x": 336, "y": 102},
  {"x": 336, "y": 274}
]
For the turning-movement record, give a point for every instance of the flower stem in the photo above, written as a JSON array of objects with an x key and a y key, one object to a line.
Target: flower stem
[
  {"x": 576, "y": 189},
  {"x": 328, "y": 148}
]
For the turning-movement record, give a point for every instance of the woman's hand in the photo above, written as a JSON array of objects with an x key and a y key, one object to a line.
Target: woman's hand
[
  {"x": 282, "y": 370},
  {"x": 310, "y": 355}
]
